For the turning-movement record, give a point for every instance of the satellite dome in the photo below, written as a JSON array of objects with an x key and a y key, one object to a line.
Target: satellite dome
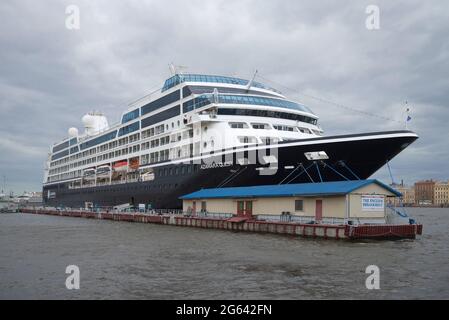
[
  {"x": 73, "y": 132},
  {"x": 94, "y": 122},
  {"x": 88, "y": 120}
]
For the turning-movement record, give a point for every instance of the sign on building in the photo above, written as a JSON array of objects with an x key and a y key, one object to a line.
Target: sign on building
[
  {"x": 373, "y": 203},
  {"x": 51, "y": 194}
]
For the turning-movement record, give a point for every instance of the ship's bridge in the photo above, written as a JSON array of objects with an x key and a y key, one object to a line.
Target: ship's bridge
[{"x": 267, "y": 107}]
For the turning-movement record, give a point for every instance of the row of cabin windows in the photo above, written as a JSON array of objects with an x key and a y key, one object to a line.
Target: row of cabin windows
[
  {"x": 165, "y": 172},
  {"x": 99, "y": 149},
  {"x": 284, "y": 128},
  {"x": 160, "y": 186},
  {"x": 178, "y": 170},
  {"x": 264, "y": 140},
  {"x": 266, "y": 114},
  {"x": 110, "y": 155},
  {"x": 175, "y": 171},
  {"x": 167, "y": 154},
  {"x": 99, "y": 140},
  {"x": 103, "y": 148},
  {"x": 65, "y": 145},
  {"x": 129, "y": 139},
  {"x": 153, "y": 157},
  {"x": 167, "y": 139},
  {"x": 153, "y": 131},
  {"x": 157, "y": 130},
  {"x": 123, "y": 141},
  {"x": 243, "y": 125}
]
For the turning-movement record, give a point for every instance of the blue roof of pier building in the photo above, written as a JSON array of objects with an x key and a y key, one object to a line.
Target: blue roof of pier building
[{"x": 288, "y": 190}]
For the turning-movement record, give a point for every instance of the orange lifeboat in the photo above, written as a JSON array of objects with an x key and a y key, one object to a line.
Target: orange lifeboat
[{"x": 120, "y": 165}]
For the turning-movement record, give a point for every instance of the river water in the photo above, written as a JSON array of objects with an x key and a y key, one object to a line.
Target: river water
[{"x": 119, "y": 260}]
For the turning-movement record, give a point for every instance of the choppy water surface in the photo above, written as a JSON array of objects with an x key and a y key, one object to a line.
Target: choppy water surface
[{"x": 143, "y": 261}]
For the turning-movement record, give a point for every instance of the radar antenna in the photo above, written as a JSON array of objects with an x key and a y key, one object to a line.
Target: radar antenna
[{"x": 174, "y": 69}]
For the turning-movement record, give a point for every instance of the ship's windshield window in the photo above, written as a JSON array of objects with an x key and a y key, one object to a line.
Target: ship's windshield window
[
  {"x": 73, "y": 141},
  {"x": 179, "y": 78},
  {"x": 130, "y": 116},
  {"x": 161, "y": 116},
  {"x": 247, "y": 139},
  {"x": 186, "y": 91},
  {"x": 283, "y": 128},
  {"x": 96, "y": 141},
  {"x": 129, "y": 128},
  {"x": 304, "y": 130},
  {"x": 60, "y": 155},
  {"x": 238, "y": 125},
  {"x": 260, "y": 126},
  {"x": 161, "y": 102},
  {"x": 61, "y": 146},
  {"x": 207, "y": 99}
]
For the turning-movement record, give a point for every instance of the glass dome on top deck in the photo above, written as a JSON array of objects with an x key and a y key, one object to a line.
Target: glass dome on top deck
[{"x": 179, "y": 78}]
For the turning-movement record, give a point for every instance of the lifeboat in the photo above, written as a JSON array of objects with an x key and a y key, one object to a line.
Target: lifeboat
[
  {"x": 89, "y": 174},
  {"x": 120, "y": 165},
  {"x": 147, "y": 175},
  {"x": 103, "y": 170},
  {"x": 134, "y": 163}
]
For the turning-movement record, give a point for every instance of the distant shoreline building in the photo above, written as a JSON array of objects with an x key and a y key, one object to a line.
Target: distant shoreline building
[
  {"x": 425, "y": 192},
  {"x": 408, "y": 194},
  {"x": 441, "y": 194}
]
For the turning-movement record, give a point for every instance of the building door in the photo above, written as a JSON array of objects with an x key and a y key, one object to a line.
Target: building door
[
  {"x": 249, "y": 209},
  {"x": 240, "y": 208},
  {"x": 245, "y": 209},
  {"x": 319, "y": 210},
  {"x": 194, "y": 207}
]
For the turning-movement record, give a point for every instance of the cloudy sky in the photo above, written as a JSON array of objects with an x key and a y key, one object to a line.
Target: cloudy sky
[{"x": 50, "y": 75}]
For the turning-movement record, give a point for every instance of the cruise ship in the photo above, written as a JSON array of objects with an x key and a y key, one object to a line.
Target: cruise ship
[{"x": 203, "y": 131}]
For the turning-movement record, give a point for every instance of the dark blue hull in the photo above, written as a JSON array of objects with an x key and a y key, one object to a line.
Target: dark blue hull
[{"x": 350, "y": 157}]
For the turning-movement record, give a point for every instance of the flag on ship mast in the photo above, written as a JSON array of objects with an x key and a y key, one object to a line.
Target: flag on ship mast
[{"x": 408, "y": 118}]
